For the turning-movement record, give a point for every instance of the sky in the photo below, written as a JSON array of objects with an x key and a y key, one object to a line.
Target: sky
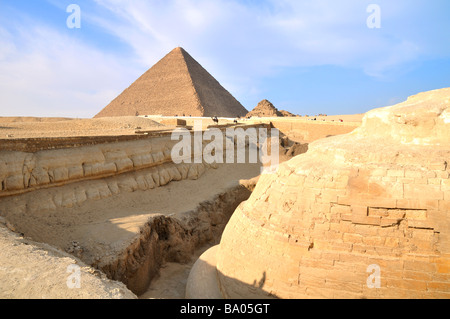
[{"x": 305, "y": 56}]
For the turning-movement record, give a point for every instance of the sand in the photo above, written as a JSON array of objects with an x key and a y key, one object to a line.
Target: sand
[
  {"x": 352, "y": 118},
  {"x": 36, "y": 127},
  {"x": 105, "y": 226},
  {"x": 32, "y": 270},
  {"x": 16, "y": 127},
  {"x": 171, "y": 283}
]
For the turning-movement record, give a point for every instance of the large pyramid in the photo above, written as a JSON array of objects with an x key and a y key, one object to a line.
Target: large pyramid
[{"x": 176, "y": 85}]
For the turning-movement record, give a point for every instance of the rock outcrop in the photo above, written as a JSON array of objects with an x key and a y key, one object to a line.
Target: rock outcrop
[
  {"x": 38, "y": 187},
  {"x": 362, "y": 215},
  {"x": 27, "y": 171},
  {"x": 31, "y": 270},
  {"x": 103, "y": 201}
]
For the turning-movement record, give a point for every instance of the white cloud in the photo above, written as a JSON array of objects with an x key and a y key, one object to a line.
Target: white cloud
[
  {"x": 257, "y": 39},
  {"x": 237, "y": 42},
  {"x": 46, "y": 73},
  {"x": 6, "y": 44}
]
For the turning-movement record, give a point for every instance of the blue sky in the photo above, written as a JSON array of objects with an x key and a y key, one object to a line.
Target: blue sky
[{"x": 305, "y": 56}]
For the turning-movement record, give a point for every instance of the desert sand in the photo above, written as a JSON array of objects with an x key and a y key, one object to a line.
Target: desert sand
[
  {"x": 33, "y": 270},
  {"x": 35, "y": 127},
  {"x": 96, "y": 227},
  {"x": 32, "y": 127}
]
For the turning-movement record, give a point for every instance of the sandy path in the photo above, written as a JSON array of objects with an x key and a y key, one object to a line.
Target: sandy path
[
  {"x": 172, "y": 280},
  {"x": 103, "y": 228}
]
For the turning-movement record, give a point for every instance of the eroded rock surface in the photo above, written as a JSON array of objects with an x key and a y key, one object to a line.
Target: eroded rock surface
[
  {"x": 116, "y": 206},
  {"x": 32, "y": 270},
  {"x": 372, "y": 202}
]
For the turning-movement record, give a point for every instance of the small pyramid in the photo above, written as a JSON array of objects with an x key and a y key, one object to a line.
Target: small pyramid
[
  {"x": 176, "y": 85},
  {"x": 265, "y": 109}
]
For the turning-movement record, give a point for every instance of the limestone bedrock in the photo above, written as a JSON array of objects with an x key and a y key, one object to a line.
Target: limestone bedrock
[{"x": 376, "y": 198}]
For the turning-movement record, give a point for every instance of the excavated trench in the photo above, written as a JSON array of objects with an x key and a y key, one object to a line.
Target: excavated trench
[
  {"x": 160, "y": 233},
  {"x": 174, "y": 239},
  {"x": 123, "y": 215}
]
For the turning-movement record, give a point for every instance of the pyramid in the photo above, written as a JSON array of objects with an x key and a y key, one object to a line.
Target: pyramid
[
  {"x": 176, "y": 85},
  {"x": 265, "y": 109}
]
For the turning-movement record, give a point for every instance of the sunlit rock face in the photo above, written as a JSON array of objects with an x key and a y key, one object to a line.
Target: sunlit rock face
[
  {"x": 362, "y": 215},
  {"x": 423, "y": 120}
]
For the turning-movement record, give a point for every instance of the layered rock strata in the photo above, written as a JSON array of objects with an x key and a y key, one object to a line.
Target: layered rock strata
[
  {"x": 363, "y": 215},
  {"x": 31, "y": 270},
  {"x": 105, "y": 204}
]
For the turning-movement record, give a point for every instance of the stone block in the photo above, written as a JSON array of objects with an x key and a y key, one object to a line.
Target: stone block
[
  {"x": 75, "y": 172},
  {"x": 406, "y": 180},
  {"x": 434, "y": 181},
  {"x": 438, "y": 166},
  {"x": 379, "y": 172},
  {"x": 352, "y": 238},
  {"x": 419, "y": 204},
  {"x": 414, "y": 174},
  {"x": 366, "y": 230},
  {"x": 344, "y": 286},
  {"x": 392, "y": 242},
  {"x": 14, "y": 182},
  {"x": 419, "y": 266},
  {"x": 373, "y": 240},
  {"x": 408, "y": 284},
  {"x": 416, "y": 275},
  {"x": 395, "y": 173},
  {"x": 439, "y": 286},
  {"x": 429, "y": 192},
  {"x": 389, "y": 179}
]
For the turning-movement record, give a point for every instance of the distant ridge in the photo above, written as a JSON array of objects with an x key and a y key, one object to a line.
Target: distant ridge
[{"x": 176, "y": 85}]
